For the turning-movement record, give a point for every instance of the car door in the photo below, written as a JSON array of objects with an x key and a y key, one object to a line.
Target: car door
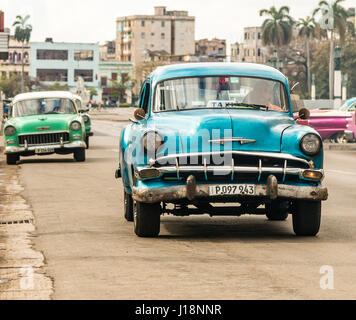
[{"x": 132, "y": 138}]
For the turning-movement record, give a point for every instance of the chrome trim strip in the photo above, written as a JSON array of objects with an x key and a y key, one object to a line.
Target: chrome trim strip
[
  {"x": 284, "y": 156},
  {"x": 72, "y": 145},
  {"x": 242, "y": 141}
]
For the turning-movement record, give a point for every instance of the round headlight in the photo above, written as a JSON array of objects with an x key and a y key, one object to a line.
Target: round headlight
[
  {"x": 152, "y": 141},
  {"x": 10, "y": 131},
  {"x": 75, "y": 126},
  {"x": 86, "y": 119},
  {"x": 311, "y": 144}
]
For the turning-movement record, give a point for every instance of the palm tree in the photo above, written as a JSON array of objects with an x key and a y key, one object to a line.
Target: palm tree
[
  {"x": 336, "y": 24},
  {"x": 23, "y": 35},
  {"x": 308, "y": 30},
  {"x": 277, "y": 29}
]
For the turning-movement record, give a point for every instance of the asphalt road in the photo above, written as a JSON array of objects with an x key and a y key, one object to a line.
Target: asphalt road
[{"x": 91, "y": 252}]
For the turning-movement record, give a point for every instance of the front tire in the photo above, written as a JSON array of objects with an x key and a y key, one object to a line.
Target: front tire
[
  {"x": 147, "y": 219},
  {"x": 79, "y": 155},
  {"x": 277, "y": 211},
  {"x": 128, "y": 207},
  {"x": 307, "y": 218},
  {"x": 11, "y": 159}
]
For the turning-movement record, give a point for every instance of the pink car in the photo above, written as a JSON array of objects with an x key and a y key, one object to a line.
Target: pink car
[{"x": 332, "y": 125}]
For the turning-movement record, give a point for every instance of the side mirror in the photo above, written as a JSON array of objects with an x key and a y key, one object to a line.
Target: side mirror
[
  {"x": 83, "y": 110},
  {"x": 139, "y": 114},
  {"x": 304, "y": 114}
]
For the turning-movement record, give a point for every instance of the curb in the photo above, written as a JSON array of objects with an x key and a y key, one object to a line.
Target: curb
[{"x": 341, "y": 147}]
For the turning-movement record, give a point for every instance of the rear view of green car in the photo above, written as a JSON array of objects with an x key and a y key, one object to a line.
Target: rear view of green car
[{"x": 44, "y": 123}]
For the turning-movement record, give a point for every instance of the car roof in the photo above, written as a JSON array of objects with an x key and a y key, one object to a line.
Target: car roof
[
  {"x": 44, "y": 95},
  {"x": 216, "y": 69}
]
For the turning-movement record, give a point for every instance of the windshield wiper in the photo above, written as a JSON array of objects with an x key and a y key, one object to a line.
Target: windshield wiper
[{"x": 248, "y": 105}]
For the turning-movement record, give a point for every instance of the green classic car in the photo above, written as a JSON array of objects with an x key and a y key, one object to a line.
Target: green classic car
[
  {"x": 86, "y": 118},
  {"x": 43, "y": 123}
]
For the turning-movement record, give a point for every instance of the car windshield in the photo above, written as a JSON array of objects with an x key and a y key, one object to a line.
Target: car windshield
[
  {"x": 43, "y": 106},
  {"x": 221, "y": 92}
]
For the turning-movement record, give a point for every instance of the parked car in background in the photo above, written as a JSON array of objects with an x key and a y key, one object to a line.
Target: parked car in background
[
  {"x": 349, "y": 106},
  {"x": 86, "y": 118},
  {"x": 43, "y": 123},
  {"x": 211, "y": 133},
  {"x": 330, "y": 124}
]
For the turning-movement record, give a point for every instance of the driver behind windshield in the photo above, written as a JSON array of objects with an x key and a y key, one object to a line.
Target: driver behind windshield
[{"x": 261, "y": 94}]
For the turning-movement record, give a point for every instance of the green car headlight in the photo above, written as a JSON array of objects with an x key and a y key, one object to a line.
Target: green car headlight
[
  {"x": 10, "y": 131},
  {"x": 75, "y": 126},
  {"x": 311, "y": 144},
  {"x": 86, "y": 119}
]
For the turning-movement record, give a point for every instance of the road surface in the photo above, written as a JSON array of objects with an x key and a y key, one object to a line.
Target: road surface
[{"x": 91, "y": 252}]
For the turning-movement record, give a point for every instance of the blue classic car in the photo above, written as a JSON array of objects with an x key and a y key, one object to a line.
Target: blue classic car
[{"x": 213, "y": 133}]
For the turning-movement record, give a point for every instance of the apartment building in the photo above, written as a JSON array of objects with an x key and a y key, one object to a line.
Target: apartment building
[
  {"x": 13, "y": 65},
  {"x": 61, "y": 62},
  {"x": 213, "y": 50},
  {"x": 166, "y": 33},
  {"x": 252, "y": 48},
  {"x": 4, "y": 38}
]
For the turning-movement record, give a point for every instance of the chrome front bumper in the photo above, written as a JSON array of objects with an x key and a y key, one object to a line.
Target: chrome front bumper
[
  {"x": 272, "y": 190},
  {"x": 68, "y": 146}
]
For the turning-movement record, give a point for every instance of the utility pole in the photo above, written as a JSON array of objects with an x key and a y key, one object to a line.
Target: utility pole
[
  {"x": 313, "y": 88},
  {"x": 337, "y": 79},
  {"x": 344, "y": 87}
]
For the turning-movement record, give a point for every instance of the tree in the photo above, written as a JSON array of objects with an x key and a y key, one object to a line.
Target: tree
[
  {"x": 93, "y": 92},
  {"x": 23, "y": 32},
  {"x": 336, "y": 17},
  {"x": 277, "y": 29},
  {"x": 120, "y": 87},
  {"x": 308, "y": 30}
]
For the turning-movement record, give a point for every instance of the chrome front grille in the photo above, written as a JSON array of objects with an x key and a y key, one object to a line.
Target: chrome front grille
[
  {"x": 232, "y": 165},
  {"x": 44, "y": 139}
]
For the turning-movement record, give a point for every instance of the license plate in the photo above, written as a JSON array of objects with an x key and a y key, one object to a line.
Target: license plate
[
  {"x": 231, "y": 190},
  {"x": 44, "y": 150}
]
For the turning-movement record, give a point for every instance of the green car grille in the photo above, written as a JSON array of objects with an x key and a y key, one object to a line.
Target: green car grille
[{"x": 44, "y": 139}]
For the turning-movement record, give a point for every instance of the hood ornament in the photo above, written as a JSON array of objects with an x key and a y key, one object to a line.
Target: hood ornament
[{"x": 242, "y": 141}]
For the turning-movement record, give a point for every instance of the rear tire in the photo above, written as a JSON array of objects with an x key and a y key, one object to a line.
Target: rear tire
[
  {"x": 307, "y": 218},
  {"x": 11, "y": 159},
  {"x": 147, "y": 219},
  {"x": 79, "y": 155},
  {"x": 128, "y": 207},
  {"x": 277, "y": 211}
]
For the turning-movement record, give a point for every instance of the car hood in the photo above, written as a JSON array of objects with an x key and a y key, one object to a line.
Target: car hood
[
  {"x": 48, "y": 122},
  {"x": 264, "y": 129}
]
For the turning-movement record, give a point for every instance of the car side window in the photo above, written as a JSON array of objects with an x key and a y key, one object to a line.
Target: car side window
[
  {"x": 146, "y": 97},
  {"x": 353, "y": 107}
]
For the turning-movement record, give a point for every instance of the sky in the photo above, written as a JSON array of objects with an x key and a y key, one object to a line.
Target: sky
[{"x": 94, "y": 21}]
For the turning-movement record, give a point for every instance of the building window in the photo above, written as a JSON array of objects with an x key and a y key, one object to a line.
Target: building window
[
  {"x": 259, "y": 36},
  {"x": 163, "y": 24},
  {"x": 87, "y": 75},
  {"x": 142, "y": 35},
  {"x": 246, "y": 36},
  {"x": 152, "y": 34},
  {"x": 114, "y": 76},
  {"x": 52, "y": 54},
  {"x": 54, "y": 75},
  {"x": 104, "y": 81},
  {"x": 142, "y": 23},
  {"x": 163, "y": 36},
  {"x": 259, "y": 52},
  {"x": 84, "y": 55},
  {"x": 221, "y": 50}
]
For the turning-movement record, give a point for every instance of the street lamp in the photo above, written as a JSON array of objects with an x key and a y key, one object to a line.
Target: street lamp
[{"x": 275, "y": 63}]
